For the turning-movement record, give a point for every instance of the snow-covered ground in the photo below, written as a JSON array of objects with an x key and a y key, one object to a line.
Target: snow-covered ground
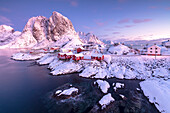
[
  {"x": 26, "y": 56},
  {"x": 103, "y": 85},
  {"x": 46, "y": 59},
  {"x": 106, "y": 100},
  {"x": 66, "y": 68},
  {"x": 66, "y": 91},
  {"x": 158, "y": 92}
]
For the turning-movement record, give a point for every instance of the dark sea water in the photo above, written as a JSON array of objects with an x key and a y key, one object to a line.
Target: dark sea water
[{"x": 28, "y": 88}]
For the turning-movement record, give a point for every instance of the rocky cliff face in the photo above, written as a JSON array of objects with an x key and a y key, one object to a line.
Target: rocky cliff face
[
  {"x": 89, "y": 38},
  {"x": 40, "y": 31},
  {"x": 58, "y": 25}
]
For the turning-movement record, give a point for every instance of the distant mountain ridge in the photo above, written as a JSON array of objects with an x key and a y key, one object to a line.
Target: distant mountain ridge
[
  {"x": 7, "y": 35},
  {"x": 89, "y": 38}
]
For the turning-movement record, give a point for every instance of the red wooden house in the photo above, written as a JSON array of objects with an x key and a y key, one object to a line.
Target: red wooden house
[
  {"x": 97, "y": 57},
  {"x": 61, "y": 55},
  {"x": 78, "y": 57}
]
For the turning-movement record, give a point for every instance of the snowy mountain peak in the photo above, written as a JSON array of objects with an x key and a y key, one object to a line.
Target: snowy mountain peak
[
  {"x": 59, "y": 25},
  {"x": 41, "y": 31},
  {"x": 89, "y": 38},
  {"x": 7, "y": 35},
  {"x": 5, "y": 28}
]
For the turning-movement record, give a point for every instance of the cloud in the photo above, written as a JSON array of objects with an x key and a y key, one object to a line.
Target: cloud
[
  {"x": 128, "y": 26},
  {"x": 100, "y": 23},
  {"x": 122, "y": 1},
  {"x": 5, "y": 20},
  {"x": 5, "y": 9},
  {"x": 73, "y": 3},
  {"x": 136, "y": 21},
  {"x": 153, "y": 7},
  {"x": 86, "y": 27},
  {"x": 103, "y": 35},
  {"x": 168, "y": 8},
  {"x": 124, "y": 21},
  {"x": 117, "y": 8},
  {"x": 116, "y": 33}
]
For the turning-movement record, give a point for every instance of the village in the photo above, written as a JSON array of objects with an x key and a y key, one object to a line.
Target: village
[{"x": 97, "y": 52}]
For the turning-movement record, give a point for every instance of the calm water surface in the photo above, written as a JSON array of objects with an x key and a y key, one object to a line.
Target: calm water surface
[{"x": 23, "y": 84}]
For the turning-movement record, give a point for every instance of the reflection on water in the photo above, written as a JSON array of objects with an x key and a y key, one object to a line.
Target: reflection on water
[{"x": 27, "y": 88}]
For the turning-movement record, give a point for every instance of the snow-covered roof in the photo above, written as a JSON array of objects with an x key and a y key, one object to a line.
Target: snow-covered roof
[
  {"x": 62, "y": 53},
  {"x": 79, "y": 55},
  {"x": 70, "y": 53},
  {"x": 159, "y": 46},
  {"x": 96, "y": 55}
]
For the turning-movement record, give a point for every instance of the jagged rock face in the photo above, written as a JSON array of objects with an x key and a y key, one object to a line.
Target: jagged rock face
[
  {"x": 58, "y": 25},
  {"x": 89, "y": 38},
  {"x": 37, "y": 26},
  {"x": 40, "y": 28}
]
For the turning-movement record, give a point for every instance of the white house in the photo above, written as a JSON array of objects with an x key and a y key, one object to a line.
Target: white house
[{"x": 154, "y": 50}]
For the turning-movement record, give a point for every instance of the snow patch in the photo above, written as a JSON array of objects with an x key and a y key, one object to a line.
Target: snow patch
[
  {"x": 103, "y": 85},
  {"x": 106, "y": 100}
]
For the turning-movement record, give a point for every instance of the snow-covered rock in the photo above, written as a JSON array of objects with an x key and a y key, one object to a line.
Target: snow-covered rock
[
  {"x": 58, "y": 92},
  {"x": 88, "y": 72},
  {"x": 106, "y": 100},
  {"x": 26, "y": 56},
  {"x": 119, "y": 50},
  {"x": 122, "y": 96},
  {"x": 158, "y": 92},
  {"x": 103, "y": 85},
  {"x": 46, "y": 59},
  {"x": 66, "y": 68},
  {"x": 68, "y": 91},
  {"x": 117, "y": 85}
]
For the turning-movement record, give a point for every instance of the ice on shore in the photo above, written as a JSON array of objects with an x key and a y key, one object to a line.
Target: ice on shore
[
  {"x": 158, "y": 92},
  {"x": 117, "y": 85},
  {"x": 103, "y": 85},
  {"x": 26, "y": 56},
  {"x": 106, "y": 100}
]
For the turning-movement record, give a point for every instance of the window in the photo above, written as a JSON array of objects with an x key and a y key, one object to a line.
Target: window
[
  {"x": 156, "y": 51},
  {"x": 150, "y": 51},
  {"x": 156, "y": 48},
  {"x": 151, "y": 48}
]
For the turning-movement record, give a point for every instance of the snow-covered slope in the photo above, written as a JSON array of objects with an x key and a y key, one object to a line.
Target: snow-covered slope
[
  {"x": 42, "y": 32},
  {"x": 119, "y": 50},
  {"x": 89, "y": 38},
  {"x": 7, "y": 35},
  {"x": 158, "y": 92}
]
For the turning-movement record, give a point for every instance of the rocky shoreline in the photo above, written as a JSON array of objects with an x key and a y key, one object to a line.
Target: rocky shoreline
[{"x": 87, "y": 100}]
